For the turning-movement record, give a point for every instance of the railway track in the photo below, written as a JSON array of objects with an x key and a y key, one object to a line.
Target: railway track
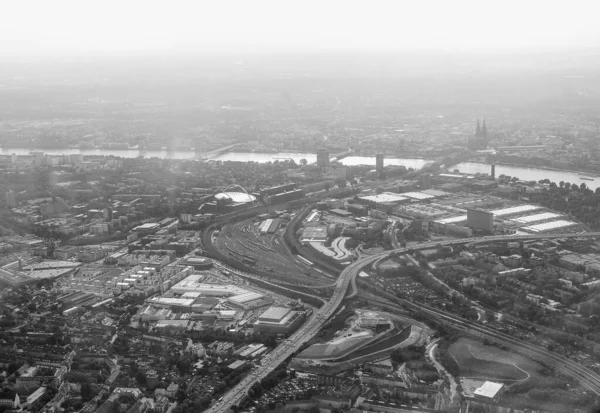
[
  {"x": 585, "y": 376},
  {"x": 347, "y": 278},
  {"x": 588, "y": 378}
]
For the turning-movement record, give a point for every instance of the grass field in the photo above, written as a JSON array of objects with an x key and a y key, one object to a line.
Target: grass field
[
  {"x": 477, "y": 360},
  {"x": 335, "y": 348}
]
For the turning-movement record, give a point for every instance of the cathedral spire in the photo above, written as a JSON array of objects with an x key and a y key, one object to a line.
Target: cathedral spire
[
  {"x": 484, "y": 129},
  {"x": 478, "y": 130}
]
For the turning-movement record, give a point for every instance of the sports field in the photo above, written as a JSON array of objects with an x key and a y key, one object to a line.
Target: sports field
[{"x": 479, "y": 361}]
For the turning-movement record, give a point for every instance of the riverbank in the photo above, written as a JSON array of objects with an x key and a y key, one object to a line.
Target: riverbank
[
  {"x": 526, "y": 173},
  {"x": 595, "y": 175}
]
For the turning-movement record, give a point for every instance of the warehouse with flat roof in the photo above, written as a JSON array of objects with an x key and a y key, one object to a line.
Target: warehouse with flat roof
[
  {"x": 536, "y": 217},
  {"x": 279, "y": 320},
  {"x": 549, "y": 226},
  {"x": 488, "y": 391},
  {"x": 515, "y": 210}
]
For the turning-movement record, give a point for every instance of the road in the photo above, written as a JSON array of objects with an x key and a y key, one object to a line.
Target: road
[
  {"x": 293, "y": 344},
  {"x": 348, "y": 277}
]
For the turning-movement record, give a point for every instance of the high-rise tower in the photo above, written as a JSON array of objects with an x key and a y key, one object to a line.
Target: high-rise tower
[
  {"x": 379, "y": 163},
  {"x": 322, "y": 157}
]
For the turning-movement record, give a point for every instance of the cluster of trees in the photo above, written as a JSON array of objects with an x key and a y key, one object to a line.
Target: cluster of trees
[
  {"x": 413, "y": 232},
  {"x": 423, "y": 370},
  {"x": 445, "y": 358},
  {"x": 412, "y": 352},
  {"x": 576, "y": 200},
  {"x": 267, "y": 383},
  {"x": 338, "y": 323},
  {"x": 42, "y": 401}
]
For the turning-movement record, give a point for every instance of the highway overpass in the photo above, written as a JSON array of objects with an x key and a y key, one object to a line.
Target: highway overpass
[{"x": 348, "y": 276}]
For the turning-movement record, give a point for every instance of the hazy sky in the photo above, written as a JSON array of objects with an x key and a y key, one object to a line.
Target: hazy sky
[{"x": 85, "y": 26}]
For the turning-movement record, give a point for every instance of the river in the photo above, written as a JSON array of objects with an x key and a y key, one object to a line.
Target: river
[
  {"x": 415, "y": 163},
  {"x": 521, "y": 172},
  {"x": 226, "y": 156},
  {"x": 528, "y": 174},
  {"x": 163, "y": 154}
]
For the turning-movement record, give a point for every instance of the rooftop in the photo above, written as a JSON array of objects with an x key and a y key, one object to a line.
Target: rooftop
[
  {"x": 489, "y": 389},
  {"x": 452, "y": 220},
  {"x": 515, "y": 210},
  {"x": 247, "y": 297},
  {"x": 183, "y": 302},
  {"x": 236, "y": 197},
  {"x": 385, "y": 197},
  {"x": 274, "y": 314},
  {"x": 549, "y": 226},
  {"x": 536, "y": 217},
  {"x": 236, "y": 364},
  {"x": 418, "y": 195}
]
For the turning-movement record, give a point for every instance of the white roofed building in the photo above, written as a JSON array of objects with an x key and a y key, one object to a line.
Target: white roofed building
[{"x": 489, "y": 391}]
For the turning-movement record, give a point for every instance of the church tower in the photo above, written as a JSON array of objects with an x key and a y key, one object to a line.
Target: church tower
[
  {"x": 484, "y": 134},
  {"x": 478, "y": 130}
]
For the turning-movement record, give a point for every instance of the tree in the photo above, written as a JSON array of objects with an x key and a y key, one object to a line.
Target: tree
[
  {"x": 567, "y": 185},
  {"x": 140, "y": 378},
  {"x": 86, "y": 392},
  {"x": 303, "y": 162},
  {"x": 561, "y": 184}
]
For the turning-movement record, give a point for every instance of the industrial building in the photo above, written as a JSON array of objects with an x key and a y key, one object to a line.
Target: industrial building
[
  {"x": 536, "y": 217},
  {"x": 480, "y": 219},
  {"x": 285, "y": 196},
  {"x": 269, "y": 226},
  {"x": 422, "y": 211},
  {"x": 276, "y": 190},
  {"x": 384, "y": 200},
  {"x": 314, "y": 233},
  {"x": 177, "y": 304},
  {"x": 489, "y": 391},
  {"x": 250, "y": 300},
  {"x": 515, "y": 210},
  {"x": 549, "y": 226},
  {"x": 279, "y": 320},
  {"x": 484, "y": 214},
  {"x": 199, "y": 264},
  {"x": 419, "y": 196}
]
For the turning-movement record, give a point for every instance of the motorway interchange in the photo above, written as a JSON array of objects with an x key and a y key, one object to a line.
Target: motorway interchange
[{"x": 347, "y": 278}]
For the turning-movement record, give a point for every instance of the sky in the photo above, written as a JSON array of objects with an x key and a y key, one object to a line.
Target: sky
[{"x": 46, "y": 27}]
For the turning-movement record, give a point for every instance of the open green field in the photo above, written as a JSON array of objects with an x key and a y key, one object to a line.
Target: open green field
[
  {"x": 334, "y": 348},
  {"x": 477, "y": 360}
]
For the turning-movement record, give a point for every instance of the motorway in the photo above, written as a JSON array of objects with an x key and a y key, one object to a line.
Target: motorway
[{"x": 347, "y": 277}]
